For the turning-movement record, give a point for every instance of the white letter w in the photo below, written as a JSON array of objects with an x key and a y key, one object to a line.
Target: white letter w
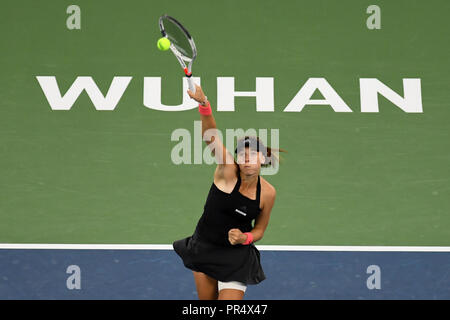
[{"x": 58, "y": 102}]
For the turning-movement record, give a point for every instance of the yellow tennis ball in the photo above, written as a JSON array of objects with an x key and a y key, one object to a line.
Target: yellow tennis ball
[{"x": 163, "y": 44}]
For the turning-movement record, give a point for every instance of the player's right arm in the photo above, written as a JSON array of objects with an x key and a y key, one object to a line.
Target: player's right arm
[{"x": 226, "y": 169}]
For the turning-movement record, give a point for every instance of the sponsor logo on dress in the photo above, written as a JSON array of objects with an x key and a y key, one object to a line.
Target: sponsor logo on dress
[{"x": 241, "y": 212}]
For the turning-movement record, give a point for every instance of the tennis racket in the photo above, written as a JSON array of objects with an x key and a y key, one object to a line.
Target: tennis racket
[{"x": 181, "y": 44}]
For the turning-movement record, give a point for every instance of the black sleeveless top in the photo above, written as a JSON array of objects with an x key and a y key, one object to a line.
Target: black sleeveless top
[{"x": 224, "y": 211}]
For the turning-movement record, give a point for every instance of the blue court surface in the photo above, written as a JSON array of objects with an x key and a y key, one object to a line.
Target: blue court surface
[{"x": 160, "y": 274}]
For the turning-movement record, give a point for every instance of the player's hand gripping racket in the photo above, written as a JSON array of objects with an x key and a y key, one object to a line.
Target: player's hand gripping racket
[{"x": 181, "y": 44}]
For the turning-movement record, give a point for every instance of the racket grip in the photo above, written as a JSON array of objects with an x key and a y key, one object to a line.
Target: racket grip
[{"x": 191, "y": 84}]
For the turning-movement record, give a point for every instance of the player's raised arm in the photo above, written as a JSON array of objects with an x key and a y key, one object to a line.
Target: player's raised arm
[{"x": 212, "y": 138}]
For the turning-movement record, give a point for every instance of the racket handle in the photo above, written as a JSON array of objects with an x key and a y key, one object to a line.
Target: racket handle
[{"x": 191, "y": 84}]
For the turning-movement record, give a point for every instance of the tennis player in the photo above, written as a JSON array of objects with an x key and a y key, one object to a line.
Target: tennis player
[{"x": 221, "y": 252}]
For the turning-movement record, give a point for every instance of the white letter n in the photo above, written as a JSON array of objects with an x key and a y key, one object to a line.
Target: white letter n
[{"x": 411, "y": 102}]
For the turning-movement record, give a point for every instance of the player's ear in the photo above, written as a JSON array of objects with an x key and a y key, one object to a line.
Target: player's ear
[{"x": 262, "y": 158}]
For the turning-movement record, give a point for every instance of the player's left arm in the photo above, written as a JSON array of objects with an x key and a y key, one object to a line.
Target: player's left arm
[
  {"x": 235, "y": 236},
  {"x": 263, "y": 218}
]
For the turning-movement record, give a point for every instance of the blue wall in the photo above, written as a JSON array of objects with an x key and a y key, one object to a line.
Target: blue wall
[{"x": 160, "y": 274}]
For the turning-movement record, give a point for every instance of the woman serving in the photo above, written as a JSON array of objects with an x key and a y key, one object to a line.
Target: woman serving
[{"x": 221, "y": 252}]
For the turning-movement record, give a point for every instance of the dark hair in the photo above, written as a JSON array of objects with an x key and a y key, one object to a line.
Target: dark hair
[{"x": 255, "y": 143}]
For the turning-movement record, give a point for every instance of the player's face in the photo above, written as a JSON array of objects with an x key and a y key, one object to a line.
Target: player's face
[{"x": 249, "y": 160}]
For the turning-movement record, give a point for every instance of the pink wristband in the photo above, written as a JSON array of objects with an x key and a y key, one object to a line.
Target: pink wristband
[
  {"x": 249, "y": 238},
  {"x": 205, "y": 110}
]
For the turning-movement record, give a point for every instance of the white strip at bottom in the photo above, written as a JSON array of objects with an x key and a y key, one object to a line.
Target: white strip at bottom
[{"x": 55, "y": 246}]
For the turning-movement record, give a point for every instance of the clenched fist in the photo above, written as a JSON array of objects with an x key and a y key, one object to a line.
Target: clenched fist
[{"x": 235, "y": 236}]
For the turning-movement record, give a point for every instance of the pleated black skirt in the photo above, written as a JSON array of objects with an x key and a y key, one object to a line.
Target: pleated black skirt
[{"x": 224, "y": 263}]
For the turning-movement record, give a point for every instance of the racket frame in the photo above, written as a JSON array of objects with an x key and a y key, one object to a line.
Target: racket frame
[{"x": 182, "y": 59}]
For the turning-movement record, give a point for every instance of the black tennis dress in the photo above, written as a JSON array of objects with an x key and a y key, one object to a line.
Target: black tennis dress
[{"x": 208, "y": 249}]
